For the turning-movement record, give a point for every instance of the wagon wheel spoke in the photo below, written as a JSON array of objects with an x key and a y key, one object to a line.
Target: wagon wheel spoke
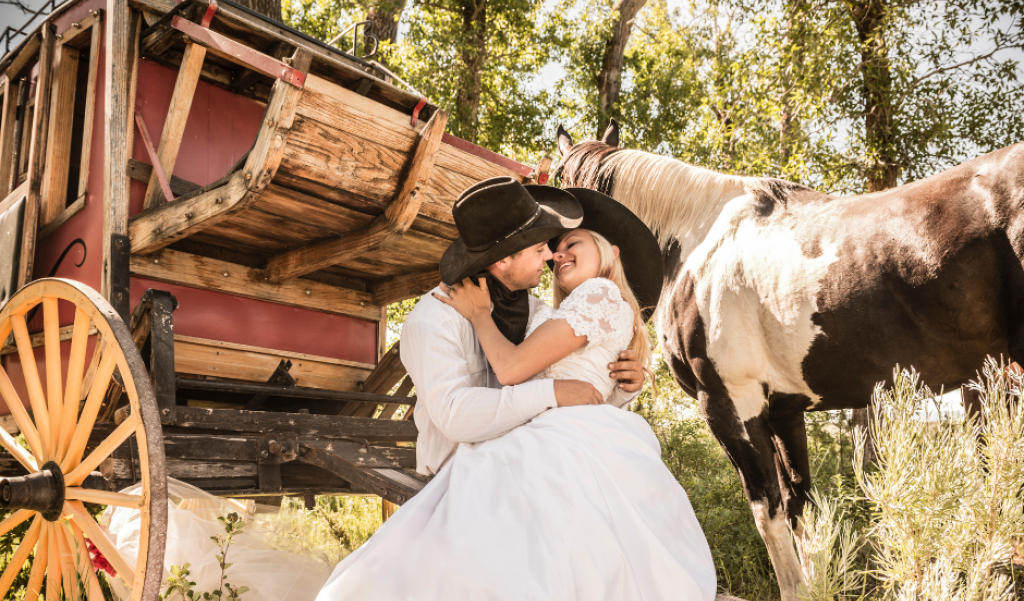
[
  {"x": 17, "y": 407},
  {"x": 101, "y": 452},
  {"x": 67, "y": 562},
  {"x": 14, "y": 520},
  {"x": 102, "y": 497},
  {"x": 54, "y": 375},
  {"x": 20, "y": 556},
  {"x": 57, "y": 419},
  {"x": 104, "y": 372},
  {"x": 84, "y": 565},
  {"x": 99, "y": 538},
  {"x": 73, "y": 387},
  {"x": 20, "y": 453},
  {"x": 35, "y": 387},
  {"x": 38, "y": 571}
]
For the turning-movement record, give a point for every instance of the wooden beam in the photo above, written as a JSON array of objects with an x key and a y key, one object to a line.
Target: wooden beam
[
  {"x": 90, "y": 103},
  {"x": 161, "y": 225},
  {"x": 265, "y": 156},
  {"x": 37, "y": 155},
  {"x": 177, "y": 117},
  {"x": 8, "y": 115},
  {"x": 156, "y": 228},
  {"x": 260, "y": 422},
  {"x": 72, "y": 210},
  {"x": 211, "y": 274},
  {"x": 117, "y": 66},
  {"x": 201, "y": 357},
  {"x": 140, "y": 171},
  {"x": 24, "y": 58},
  {"x": 402, "y": 287},
  {"x": 61, "y": 128},
  {"x": 387, "y": 373},
  {"x": 397, "y": 218}
]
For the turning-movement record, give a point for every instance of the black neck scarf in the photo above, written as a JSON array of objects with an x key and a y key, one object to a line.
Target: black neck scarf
[{"x": 511, "y": 309}]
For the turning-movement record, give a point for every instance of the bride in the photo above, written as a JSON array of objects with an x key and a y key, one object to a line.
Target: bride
[{"x": 575, "y": 504}]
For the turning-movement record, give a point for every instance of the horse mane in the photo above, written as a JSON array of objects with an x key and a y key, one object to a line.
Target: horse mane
[
  {"x": 672, "y": 197},
  {"x": 582, "y": 167},
  {"x": 768, "y": 190}
]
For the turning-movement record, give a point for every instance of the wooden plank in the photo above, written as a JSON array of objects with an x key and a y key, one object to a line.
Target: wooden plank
[
  {"x": 398, "y": 288},
  {"x": 156, "y": 228},
  {"x": 177, "y": 116},
  {"x": 25, "y": 55},
  {"x": 138, "y": 170},
  {"x": 117, "y": 67},
  {"x": 37, "y": 155},
  {"x": 72, "y": 210},
  {"x": 390, "y": 226},
  {"x": 210, "y": 274},
  {"x": 320, "y": 426},
  {"x": 329, "y": 162},
  {"x": 388, "y": 372},
  {"x": 381, "y": 481},
  {"x": 61, "y": 128},
  {"x": 8, "y": 115},
  {"x": 271, "y": 141},
  {"x": 197, "y": 356},
  {"x": 90, "y": 103}
]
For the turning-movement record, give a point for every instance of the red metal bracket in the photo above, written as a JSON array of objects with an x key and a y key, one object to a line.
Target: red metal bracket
[
  {"x": 208, "y": 17},
  {"x": 239, "y": 53},
  {"x": 158, "y": 167},
  {"x": 416, "y": 111},
  {"x": 487, "y": 155}
]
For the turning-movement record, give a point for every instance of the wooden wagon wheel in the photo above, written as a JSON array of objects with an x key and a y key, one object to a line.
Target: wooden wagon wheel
[{"x": 52, "y": 496}]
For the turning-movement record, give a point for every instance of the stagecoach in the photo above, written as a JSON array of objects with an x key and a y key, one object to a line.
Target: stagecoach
[{"x": 204, "y": 216}]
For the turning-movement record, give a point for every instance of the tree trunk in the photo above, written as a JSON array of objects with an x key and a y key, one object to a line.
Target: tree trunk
[
  {"x": 474, "y": 58},
  {"x": 609, "y": 79},
  {"x": 883, "y": 165},
  {"x": 269, "y": 8},
  {"x": 796, "y": 35},
  {"x": 384, "y": 16},
  {"x": 883, "y": 168}
]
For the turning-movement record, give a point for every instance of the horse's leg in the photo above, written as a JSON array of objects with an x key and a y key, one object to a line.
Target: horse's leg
[
  {"x": 787, "y": 421},
  {"x": 750, "y": 447}
]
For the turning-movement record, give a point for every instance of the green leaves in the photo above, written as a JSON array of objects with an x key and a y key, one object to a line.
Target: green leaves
[{"x": 178, "y": 582}]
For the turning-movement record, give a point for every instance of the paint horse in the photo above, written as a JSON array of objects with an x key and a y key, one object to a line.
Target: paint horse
[{"x": 779, "y": 299}]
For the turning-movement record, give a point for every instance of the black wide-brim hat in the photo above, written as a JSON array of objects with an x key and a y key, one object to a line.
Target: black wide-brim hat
[
  {"x": 639, "y": 250},
  {"x": 498, "y": 217}
]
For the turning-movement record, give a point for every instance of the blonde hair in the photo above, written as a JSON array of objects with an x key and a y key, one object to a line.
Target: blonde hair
[{"x": 611, "y": 269}]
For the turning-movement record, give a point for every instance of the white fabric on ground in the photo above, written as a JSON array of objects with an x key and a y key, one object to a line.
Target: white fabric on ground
[{"x": 270, "y": 574}]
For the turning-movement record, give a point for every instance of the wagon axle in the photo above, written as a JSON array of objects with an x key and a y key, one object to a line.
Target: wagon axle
[{"x": 42, "y": 491}]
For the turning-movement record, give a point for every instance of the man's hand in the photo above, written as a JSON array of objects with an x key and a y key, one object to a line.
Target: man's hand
[
  {"x": 628, "y": 371},
  {"x": 570, "y": 393}
]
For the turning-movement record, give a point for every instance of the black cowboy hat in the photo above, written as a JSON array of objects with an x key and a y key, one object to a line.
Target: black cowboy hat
[
  {"x": 638, "y": 247},
  {"x": 499, "y": 217}
]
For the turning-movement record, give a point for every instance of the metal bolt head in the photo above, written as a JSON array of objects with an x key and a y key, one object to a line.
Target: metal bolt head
[
  {"x": 309, "y": 292},
  {"x": 156, "y": 261},
  {"x": 248, "y": 176},
  {"x": 165, "y": 412},
  {"x": 264, "y": 454},
  {"x": 362, "y": 303},
  {"x": 226, "y": 274},
  {"x": 189, "y": 215}
]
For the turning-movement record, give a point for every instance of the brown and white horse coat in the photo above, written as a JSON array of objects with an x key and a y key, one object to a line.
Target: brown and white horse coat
[{"x": 779, "y": 299}]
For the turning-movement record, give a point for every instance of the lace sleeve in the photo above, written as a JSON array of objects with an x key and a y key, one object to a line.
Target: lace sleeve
[{"x": 595, "y": 309}]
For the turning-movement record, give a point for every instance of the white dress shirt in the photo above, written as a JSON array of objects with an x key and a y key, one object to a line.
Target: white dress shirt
[{"x": 458, "y": 397}]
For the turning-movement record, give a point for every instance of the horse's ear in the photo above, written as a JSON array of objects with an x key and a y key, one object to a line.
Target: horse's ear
[
  {"x": 564, "y": 141},
  {"x": 611, "y": 134}
]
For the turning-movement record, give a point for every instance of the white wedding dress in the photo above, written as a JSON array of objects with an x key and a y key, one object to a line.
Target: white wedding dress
[{"x": 574, "y": 505}]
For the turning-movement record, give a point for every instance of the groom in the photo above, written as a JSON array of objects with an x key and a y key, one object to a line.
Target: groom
[{"x": 504, "y": 228}]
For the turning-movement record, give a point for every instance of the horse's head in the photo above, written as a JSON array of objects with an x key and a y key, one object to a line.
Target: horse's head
[{"x": 581, "y": 162}]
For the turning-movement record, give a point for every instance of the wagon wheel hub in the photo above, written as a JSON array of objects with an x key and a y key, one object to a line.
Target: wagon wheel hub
[{"x": 42, "y": 491}]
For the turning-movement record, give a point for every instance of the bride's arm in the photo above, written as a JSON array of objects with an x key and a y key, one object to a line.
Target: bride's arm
[{"x": 513, "y": 364}]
